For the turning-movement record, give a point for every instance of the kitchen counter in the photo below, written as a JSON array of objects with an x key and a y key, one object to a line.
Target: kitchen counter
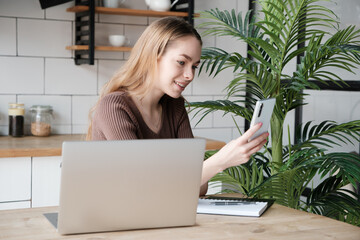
[{"x": 30, "y": 146}]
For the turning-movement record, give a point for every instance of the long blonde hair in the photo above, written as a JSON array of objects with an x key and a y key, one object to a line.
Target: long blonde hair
[{"x": 137, "y": 74}]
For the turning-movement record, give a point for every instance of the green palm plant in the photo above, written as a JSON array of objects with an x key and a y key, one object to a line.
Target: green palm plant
[{"x": 288, "y": 29}]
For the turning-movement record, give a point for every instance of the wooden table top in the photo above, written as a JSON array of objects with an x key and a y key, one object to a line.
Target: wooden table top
[
  {"x": 278, "y": 222},
  {"x": 31, "y": 146}
]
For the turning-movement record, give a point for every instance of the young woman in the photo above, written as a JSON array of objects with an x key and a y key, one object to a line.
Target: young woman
[{"x": 143, "y": 100}]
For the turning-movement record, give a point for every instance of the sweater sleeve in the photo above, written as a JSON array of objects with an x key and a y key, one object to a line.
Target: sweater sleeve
[{"x": 112, "y": 120}]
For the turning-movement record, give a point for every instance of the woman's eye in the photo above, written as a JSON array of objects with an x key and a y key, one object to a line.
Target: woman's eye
[
  {"x": 181, "y": 63},
  {"x": 194, "y": 67}
]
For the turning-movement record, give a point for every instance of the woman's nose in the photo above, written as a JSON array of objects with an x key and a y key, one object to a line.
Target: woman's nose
[{"x": 189, "y": 74}]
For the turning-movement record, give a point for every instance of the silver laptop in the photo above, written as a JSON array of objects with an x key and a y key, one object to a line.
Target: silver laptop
[{"x": 131, "y": 184}]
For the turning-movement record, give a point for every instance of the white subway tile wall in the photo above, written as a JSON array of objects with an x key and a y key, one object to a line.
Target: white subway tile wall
[
  {"x": 62, "y": 76},
  {"x": 21, "y": 75},
  {"x": 8, "y": 40},
  {"x": 35, "y": 68},
  {"x": 4, "y": 111},
  {"x": 43, "y": 38},
  {"x": 21, "y": 9},
  {"x": 80, "y": 112}
]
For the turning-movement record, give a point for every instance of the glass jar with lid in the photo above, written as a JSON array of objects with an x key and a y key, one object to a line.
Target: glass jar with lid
[
  {"x": 16, "y": 113},
  {"x": 41, "y": 116}
]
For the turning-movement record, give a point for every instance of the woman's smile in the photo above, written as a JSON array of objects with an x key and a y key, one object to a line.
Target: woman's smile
[{"x": 181, "y": 85}]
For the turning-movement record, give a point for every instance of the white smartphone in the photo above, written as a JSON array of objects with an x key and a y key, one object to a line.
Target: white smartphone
[{"x": 262, "y": 113}]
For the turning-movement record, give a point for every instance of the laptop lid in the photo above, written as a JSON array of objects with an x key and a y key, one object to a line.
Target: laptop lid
[{"x": 131, "y": 184}]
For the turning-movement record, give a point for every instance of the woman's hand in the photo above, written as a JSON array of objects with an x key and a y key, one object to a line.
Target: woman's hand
[
  {"x": 238, "y": 151},
  {"x": 234, "y": 153}
]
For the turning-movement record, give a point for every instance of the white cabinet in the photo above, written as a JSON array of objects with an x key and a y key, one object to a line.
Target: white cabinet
[
  {"x": 15, "y": 179},
  {"x": 45, "y": 181},
  {"x": 29, "y": 182}
]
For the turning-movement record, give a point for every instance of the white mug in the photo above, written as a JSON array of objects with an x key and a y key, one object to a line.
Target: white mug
[
  {"x": 160, "y": 5},
  {"x": 118, "y": 40},
  {"x": 113, "y": 3}
]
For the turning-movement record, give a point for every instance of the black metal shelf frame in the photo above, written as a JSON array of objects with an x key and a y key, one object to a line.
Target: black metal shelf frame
[
  {"x": 85, "y": 27},
  {"x": 85, "y": 33}
]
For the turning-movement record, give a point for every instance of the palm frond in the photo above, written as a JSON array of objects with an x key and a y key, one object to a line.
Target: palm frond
[
  {"x": 216, "y": 60},
  {"x": 224, "y": 23},
  {"x": 260, "y": 159},
  {"x": 344, "y": 165},
  {"x": 337, "y": 52},
  {"x": 284, "y": 21},
  {"x": 242, "y": 178},
  {"x": 301, "y": 157},
  {"x": 329, "y": 200},
  {"x": 288, "y": 99},
  {"x": 286, "y": 186},
  {"x": 207, "y": 107},
  {"x": 258, "y": 79},
  {"x": 326, "y": 133}
]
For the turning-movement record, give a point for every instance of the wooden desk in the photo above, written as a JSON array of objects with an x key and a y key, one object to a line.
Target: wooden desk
[{"x": 278, "y": 222}]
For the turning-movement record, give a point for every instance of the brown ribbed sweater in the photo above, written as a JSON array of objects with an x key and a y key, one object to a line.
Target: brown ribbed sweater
[{"x": 118, "y": 118}]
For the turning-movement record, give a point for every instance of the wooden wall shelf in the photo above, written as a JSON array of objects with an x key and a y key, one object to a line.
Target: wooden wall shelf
[
  {"x": 84, "y": 47},
  {"x": 128, "y": 12},
  {"x": 119, "y": 11}
]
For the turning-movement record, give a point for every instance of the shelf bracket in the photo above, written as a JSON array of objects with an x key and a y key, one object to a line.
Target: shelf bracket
[
  {"x": 85, "y": 33},
  {"x": 185, "y": 6}
]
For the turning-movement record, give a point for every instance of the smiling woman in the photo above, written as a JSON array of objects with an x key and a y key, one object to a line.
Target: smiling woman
[{"x": 143, "y": 99}]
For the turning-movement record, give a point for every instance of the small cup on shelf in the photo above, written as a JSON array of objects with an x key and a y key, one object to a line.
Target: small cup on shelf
[
  {"x": 113, "y": 3},
  {"x": 118, "y": 40}
]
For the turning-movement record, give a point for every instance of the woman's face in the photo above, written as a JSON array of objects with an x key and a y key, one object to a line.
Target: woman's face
[{"x": 176, "y": 67}]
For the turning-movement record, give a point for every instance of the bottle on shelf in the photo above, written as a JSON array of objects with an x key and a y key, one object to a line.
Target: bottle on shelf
[{"x": 16, "y": 113}]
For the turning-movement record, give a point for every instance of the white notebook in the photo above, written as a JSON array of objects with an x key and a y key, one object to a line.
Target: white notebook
[{"x": 231, "y": 207}]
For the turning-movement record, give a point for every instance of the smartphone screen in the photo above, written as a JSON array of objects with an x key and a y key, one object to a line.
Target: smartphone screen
[{"x": 262, "y": 113}]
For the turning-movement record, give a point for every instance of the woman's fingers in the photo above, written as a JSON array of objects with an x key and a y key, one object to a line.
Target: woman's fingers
[
  {"x": 239, "y": 151},
  {"x": 249, "y": 148},
  {"x": 258, "y": 141},
  {"x": 257, "y": 147},
  {"x": 244, "y": 139},
  {"x": 248, "y": 134}
]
